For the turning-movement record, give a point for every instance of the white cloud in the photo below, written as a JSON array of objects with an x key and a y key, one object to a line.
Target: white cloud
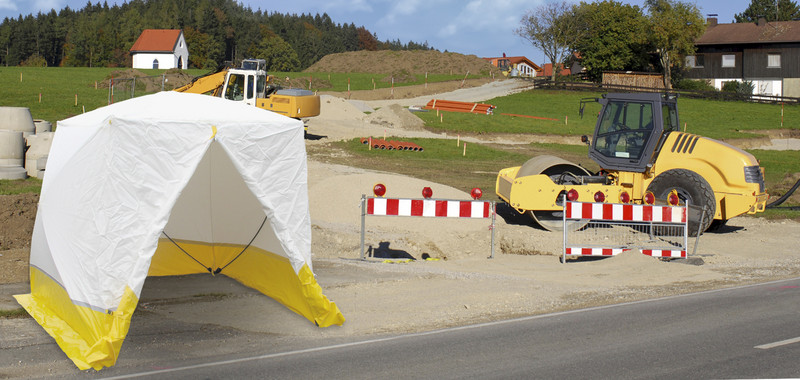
[
  {"x": 402, "y": 9},
  {"x": 8, "y": 4},
  {"x": 46, "y": 5}
]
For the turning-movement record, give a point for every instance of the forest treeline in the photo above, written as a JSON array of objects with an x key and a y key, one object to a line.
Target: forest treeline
[{"x": 216, "y": 31}]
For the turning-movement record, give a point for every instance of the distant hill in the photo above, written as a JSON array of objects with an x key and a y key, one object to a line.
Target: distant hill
[{"x": 401, "y": 62}]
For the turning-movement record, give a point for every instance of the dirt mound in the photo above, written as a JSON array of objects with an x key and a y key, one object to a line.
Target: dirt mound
[
  {"x": 174, "y": 78},
  {"x": 401, "y": 64},
  {"x": 17, "y": 213},
  {"x": 395, "y": 116}
]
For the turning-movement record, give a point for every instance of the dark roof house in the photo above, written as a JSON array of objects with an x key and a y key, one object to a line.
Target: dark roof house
[{"x": 765, "y": 53}]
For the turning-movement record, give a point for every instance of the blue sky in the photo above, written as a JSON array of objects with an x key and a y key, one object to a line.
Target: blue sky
[{"x": 481, "y": 27}]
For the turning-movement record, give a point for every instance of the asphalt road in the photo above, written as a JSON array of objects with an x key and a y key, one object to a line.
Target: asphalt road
[{"x": 745, "y": 332}]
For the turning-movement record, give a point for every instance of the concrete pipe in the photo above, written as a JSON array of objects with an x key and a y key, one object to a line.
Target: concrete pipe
[
  {"x": 17, "y": 119},
  {"x": 12, "y": 148},
  {"x": 40, "y": 144},
  {"x": 42, "y": 126}
]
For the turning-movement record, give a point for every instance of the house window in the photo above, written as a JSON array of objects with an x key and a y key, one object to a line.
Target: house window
[
  {"x": 155, "y": 63},
  {"x": 695, "y": 61},
  {"x": 728, "y": 60},
  {"x": 773, "y": 60}
]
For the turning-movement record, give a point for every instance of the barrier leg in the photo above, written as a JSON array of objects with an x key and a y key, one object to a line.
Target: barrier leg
[
  {"x": 363, "y": 220},
  {"x": 494, "y": 212},
  {"x": 564, "y": 220}
]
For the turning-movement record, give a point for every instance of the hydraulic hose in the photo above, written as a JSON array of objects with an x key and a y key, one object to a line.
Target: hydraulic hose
[{"x": 785, "y": 196}]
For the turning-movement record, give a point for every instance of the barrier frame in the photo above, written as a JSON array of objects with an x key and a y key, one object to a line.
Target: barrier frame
[
  {"x": 613, "y": 214},
  {"x": 426, "y": 207}
]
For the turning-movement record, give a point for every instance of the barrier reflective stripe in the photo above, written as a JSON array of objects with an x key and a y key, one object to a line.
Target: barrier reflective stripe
[
  {"x": 626, "y": 213},
  {"x": 428, "y": 208}
]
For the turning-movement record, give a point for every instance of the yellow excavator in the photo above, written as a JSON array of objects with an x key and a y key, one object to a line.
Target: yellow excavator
[{"x": 251, "y": 84}]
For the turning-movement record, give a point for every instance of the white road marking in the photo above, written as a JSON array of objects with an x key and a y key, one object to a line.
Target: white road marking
[{"x": 778, "y": 344}]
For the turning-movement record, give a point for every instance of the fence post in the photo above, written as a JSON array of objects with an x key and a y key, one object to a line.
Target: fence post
[
  {"x": 163, "y": 79},
  {"x": 133, "y": 87}
]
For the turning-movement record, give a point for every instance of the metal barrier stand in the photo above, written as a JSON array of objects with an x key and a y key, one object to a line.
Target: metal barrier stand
[{"x": 658, "y": 231}]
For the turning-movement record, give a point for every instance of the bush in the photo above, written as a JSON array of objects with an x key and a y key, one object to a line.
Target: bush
[
  {"x": 694, "y": 85},
  {"x": 34, "y": 60},
  {"x": 741, "y": 88}
]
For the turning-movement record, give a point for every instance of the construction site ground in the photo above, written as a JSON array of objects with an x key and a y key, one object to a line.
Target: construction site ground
[{"x": 203, "y": 317}]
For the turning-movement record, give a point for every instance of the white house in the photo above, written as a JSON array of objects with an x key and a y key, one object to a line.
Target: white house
[{"x": 160, "y": 49}]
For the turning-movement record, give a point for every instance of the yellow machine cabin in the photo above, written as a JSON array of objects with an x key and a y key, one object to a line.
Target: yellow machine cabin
[
  {"x": 251, "y": 84},
  {"x": 643, "y": 156}
]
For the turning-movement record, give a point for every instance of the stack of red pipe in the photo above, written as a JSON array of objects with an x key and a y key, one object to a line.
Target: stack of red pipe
[
  {"x": 455, "y": 106},
  {"x": 392, "y": 144}
]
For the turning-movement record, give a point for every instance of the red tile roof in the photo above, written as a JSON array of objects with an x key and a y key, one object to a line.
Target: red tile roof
[
  {"x": 157, "y": 40},
  {"x": 745, "y": 33}
]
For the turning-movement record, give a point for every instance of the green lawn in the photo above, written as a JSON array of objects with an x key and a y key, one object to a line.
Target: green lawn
[
  {"x": 709, "y": 118},
  {"x": 338, "y": 82}
]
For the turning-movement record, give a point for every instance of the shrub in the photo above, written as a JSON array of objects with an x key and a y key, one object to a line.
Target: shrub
[{"x": 694, "y": 85}]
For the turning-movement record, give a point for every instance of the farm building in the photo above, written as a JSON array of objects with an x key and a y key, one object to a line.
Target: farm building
[
  {"x": 160, "y": 49},
  {"x": 765, "y": 53},
  {"x": 516, "y": 66}
]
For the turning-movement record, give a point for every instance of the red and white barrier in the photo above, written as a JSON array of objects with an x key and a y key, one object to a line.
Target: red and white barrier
[
  {"x": 428, "y": 208},
  {"x": 626, "y": 213},
  {"x": 630, "y": 215},
  {"x": 433, "y": 208}
]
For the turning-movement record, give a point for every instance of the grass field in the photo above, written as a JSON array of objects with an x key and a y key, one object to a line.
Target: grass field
[
  {"x": 709, "y": 118},
  {"x": 59, "y": 87},
  {"x": 338, "y": 82}
]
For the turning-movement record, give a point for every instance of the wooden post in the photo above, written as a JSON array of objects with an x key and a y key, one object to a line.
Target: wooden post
[
  {"x": 465, "y": 150},
  {"x": 76, "y": 100}
]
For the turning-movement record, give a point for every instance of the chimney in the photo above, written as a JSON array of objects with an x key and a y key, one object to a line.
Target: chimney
[
  {"x": 711, "y": 21},
  {"x": 761, "y": 21}
]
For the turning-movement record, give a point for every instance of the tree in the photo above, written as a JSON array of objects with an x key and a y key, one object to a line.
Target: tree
[
  {"x": 674, "y": 26},
  {"x": 553, "y": 28},
  {"x": 783, "y": 10},
  {"x": 279, "y": 55},
  {"x": 615, "y": 38}
]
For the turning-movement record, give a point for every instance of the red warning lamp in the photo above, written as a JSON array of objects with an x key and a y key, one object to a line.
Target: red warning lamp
[
  {"x": 673, "y": 199},
  {"x": 649, "y": 198},
  {"x": 599, "y": 197},
  {"x": 427, "y": 192},
  {"x": 572, "y": 195},
  {"x": 476, "y": 193},
  {"x": 624, "y": 197},
  {"x": 379, "y": 190}
]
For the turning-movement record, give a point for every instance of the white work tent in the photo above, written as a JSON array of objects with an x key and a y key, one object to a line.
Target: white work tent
[{"x": 167, "y": 184}]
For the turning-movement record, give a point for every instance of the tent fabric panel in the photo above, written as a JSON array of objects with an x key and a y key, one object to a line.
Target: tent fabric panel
[
  {"x": 169, "y": 260},
  {"x": 190, "y": 217},
  {"x": 111, "y": 202},
  {"x": 40, "y": 250},
  {"x": 273, "y": 166},
  {"x": 302, "y": 294},
  {"x": 90, "y": 338}
]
